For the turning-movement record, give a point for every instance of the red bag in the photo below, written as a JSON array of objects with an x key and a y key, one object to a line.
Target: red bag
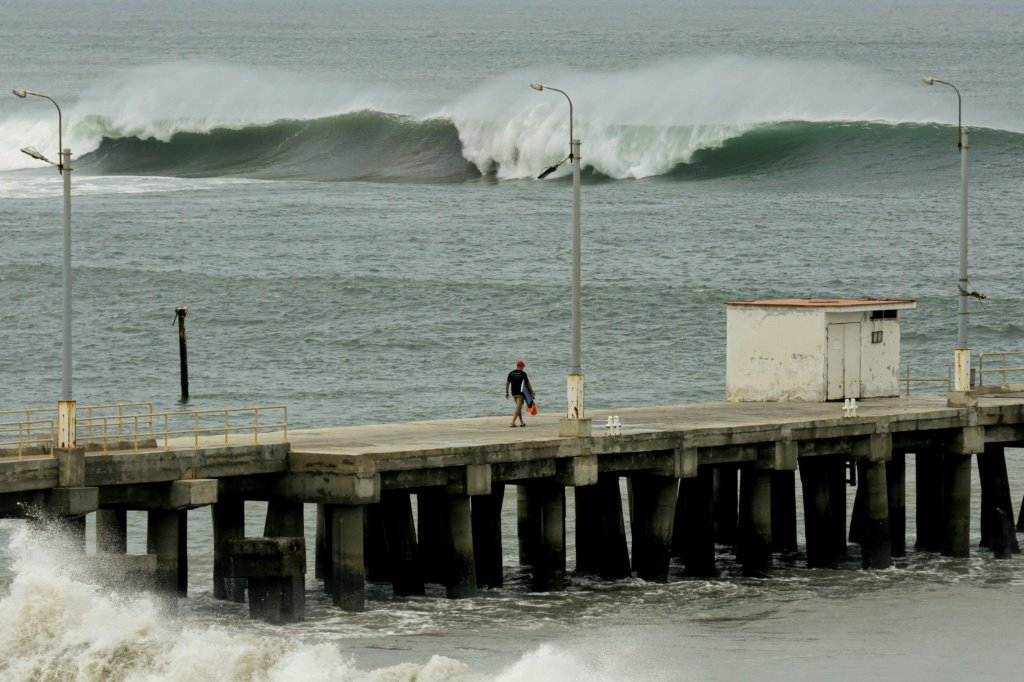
[{"x": 532, "y": 409}]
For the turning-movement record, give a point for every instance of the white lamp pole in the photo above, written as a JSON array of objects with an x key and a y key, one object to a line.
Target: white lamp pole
[
  {"x": 574, "y": 405},
  {"x": 66, "y": 404},
  {"x": 962, "y": 355}
]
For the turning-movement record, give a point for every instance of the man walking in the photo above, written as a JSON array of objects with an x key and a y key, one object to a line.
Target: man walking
[{"x": 520, "y": 387}]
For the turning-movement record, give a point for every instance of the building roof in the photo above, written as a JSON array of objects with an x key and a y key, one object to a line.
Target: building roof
[{"x": 861, "y": 303}]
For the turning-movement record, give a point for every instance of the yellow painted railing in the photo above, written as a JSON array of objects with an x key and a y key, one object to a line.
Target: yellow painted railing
[
  {"x": 1003, "y": 371},
  {"x": 906, "y": 379},
  {"x": 29, "y": 436},
  {"x": 134, "y": 427}
]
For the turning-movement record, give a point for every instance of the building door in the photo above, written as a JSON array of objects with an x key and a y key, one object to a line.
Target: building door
[{"x": 843, "y": 361}]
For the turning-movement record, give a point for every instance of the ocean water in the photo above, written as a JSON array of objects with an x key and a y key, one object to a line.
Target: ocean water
[{"x": 344, "y": 195}]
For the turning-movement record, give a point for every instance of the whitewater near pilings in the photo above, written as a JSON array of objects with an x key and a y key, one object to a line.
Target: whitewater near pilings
[{"x": 418, "y": 503}]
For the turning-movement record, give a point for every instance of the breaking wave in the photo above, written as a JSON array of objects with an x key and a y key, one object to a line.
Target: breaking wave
[{"x": 688, "y": 119}]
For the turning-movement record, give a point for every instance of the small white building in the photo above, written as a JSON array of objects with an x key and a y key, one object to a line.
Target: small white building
[{"x": 813, "y": 349}]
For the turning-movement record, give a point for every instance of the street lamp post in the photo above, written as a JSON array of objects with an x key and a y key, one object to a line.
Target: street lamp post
[
  {"x": 574, "y": 422},
  {"x": 962, "y": 355},
  {"x": 66, "y": 404}
]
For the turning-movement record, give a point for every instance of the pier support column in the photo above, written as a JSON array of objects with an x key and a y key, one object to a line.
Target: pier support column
[
  {"x": 818, "y": 523},
  {"x": 228, "y": 524},
  {"x": 653, "y": 505},
  {"x": 486, "y": 510},
  {"x": 929, "y": 495},
  {"x": 876, "y": 551},
  {"x": 527, "y": 524},
  {"x": 431, "y": 534},
  {"x": 286, "y": 519},
  {"x": 162, "y": 540},
  {"x": 693, "y": 533},
  {"x": 756, "y": 524},
  {"x": 601, "y": 547},
  {"x": 896, "y": 480},
  {"x": 996, "y": 505},
  {"x": 957, "y": 488},
  {"x": 322, "y": 549},
  {"x": 183, "y": 553},
  {"x": 784, "y": 511},
  {"x": 112, "y": 531},
  {"x": 836, "y": 472},
  {"x": 460, "y": 578},
  {"x": 402, "y": 553},
  {"x": 347, "y": 562},
  {"x": 542, "y": 533},
  {"x": 375, "y": 545},
  {"x": 726, "y": 504}
]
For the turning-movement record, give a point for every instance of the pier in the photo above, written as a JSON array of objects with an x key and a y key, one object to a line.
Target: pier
[{"x": 419, "y": 503}]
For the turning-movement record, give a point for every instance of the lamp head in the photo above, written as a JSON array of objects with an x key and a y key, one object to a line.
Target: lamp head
[
  {"x": 928, "y": 80},
  {"x": 34, "y": 153},
  {"x": 535, "y": 86},
  {"x": 20, "y": 93}
]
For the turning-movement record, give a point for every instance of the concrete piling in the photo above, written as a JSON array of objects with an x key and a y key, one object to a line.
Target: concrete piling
[
  {"x": 653, "y": 511},
  {"x": 756, "y": 522},
  {"x": 956, "y": 473},
  {"x": 601, "y": 547},
  {"x": 486, "y": 511},
  {"x": 375, "y": 544},
  {"x": 430, "y": 504},
  {"x": 162, "y": 540},
  {"x": 460, "y": 573},
  {"x": 876, "y": 550},
  {"x": 896, "y": 480},
  {"x": 402, "y": 553},
  {"x": 111, "y": 531},
  {"x": 541, "y": 525},
  {"x": 348, "y": 568},
  {"x": 996, "y": 503},
  {"x": 819, "y": 527},
  {"x": 228, "y": 524},
  {"x": 840, "y": 476},
  {"x": 274, "y": 568},
  {"x": 693, "y": 533},
  {"x": 929, "y": 493},
  {"x": 784, "y": 531},
  {"x": 726, "y": 503}
]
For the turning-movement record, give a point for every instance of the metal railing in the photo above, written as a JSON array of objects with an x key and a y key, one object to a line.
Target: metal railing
[
  {"x": 123, "y": 427},
  {"x": 906, "y": 379},
  {"x": 28, "y": 437},
  {"x": 1002, "y": 370}
]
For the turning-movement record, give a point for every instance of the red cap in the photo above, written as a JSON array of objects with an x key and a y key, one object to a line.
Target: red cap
[{"x": 520, "y": 364}]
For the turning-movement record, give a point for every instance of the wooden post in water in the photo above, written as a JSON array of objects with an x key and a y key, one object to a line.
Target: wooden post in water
[{"x": 179, "y": 315}]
